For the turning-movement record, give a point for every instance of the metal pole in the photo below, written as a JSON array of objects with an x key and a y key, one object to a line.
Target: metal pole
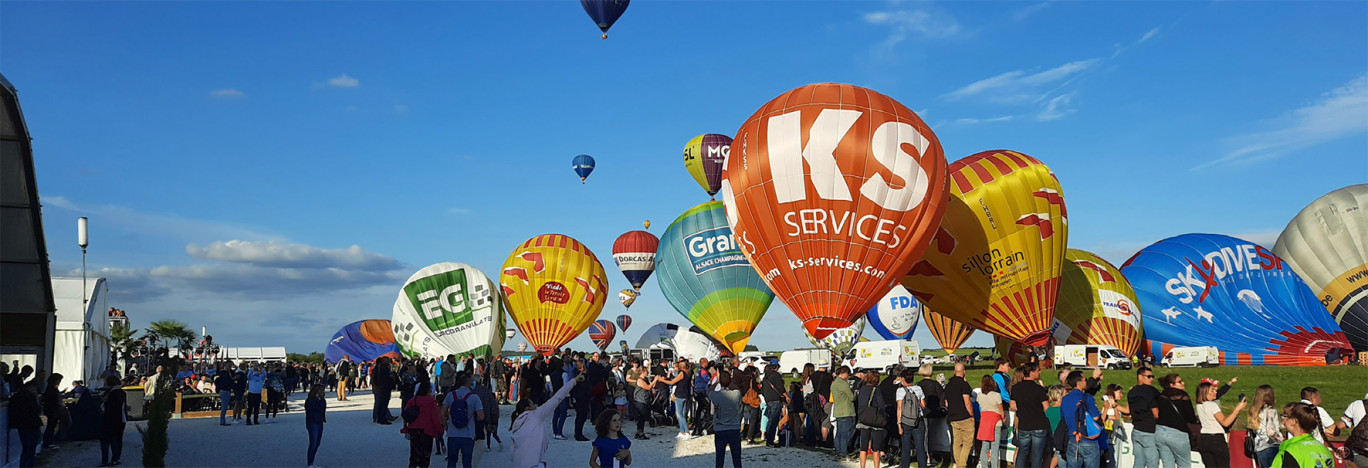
[{"x": 83, "y": 239}]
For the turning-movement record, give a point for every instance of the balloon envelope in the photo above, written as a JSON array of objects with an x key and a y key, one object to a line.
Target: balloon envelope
[
  {"x": 362, "y": 341},
  {"x": 635, "y": 254},
  {"x": 583, "y": 166},
  {"x": 950, "y": 333},
  {"x": 995, "y": 262},
  {"x": 448, "y": 308},
  {"x": 627, "y": 297},
  {"x": 1215, "y": 290},
  {"x": 842, "y": 341},
  {"x": 690, "y": 343},
  {"x": 624, "y": 321},
  {"x": 602, "y": 333},
  {"x": 705, "y": 156},
  {"x": 554, "y": 287},
  {"x": 895, "y": 317},
  {"x": 834, "y": 192},
  {"x": 508, "y": 334},
  {"x": 1327, "y": 244},
  {"x": 706, "y": 278},
  {"x": 604, "y": 12},
  {"x": 1097, "y": 305}
]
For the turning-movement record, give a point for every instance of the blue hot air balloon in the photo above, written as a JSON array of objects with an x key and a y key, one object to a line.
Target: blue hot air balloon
[
  {"x": 604, "y": 12},
  {"x": 895, "y": 317},
  {"x": 583, "y": 165},
  {"x": 1215, "y": 290},
  {"x": 362, "y": 341}
]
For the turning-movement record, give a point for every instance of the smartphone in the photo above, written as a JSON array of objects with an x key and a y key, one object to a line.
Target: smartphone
[{"x": 1241, "y": 397}]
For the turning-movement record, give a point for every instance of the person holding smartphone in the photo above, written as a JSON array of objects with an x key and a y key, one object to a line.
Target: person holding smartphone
[{"x": 1212, "y": 444}]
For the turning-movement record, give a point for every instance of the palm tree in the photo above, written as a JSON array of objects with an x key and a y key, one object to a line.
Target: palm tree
[
  {"x": 171, "y": 333},
  {"x": 123, "y": 343}
]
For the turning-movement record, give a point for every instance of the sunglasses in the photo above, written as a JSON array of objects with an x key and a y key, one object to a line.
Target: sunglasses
[{"x": 1148, "y": 376}]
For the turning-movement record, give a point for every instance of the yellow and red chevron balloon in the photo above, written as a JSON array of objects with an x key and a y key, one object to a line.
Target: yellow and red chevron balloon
[
  {"x": 950, "y": 333},
  {"x": 1096, "y": 304},
  {"x": 995, "y": 261},
  {"x": 554, "y": 288}
]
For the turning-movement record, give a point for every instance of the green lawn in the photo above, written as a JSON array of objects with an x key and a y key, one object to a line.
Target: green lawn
[{"x": 1339, "y": 385}]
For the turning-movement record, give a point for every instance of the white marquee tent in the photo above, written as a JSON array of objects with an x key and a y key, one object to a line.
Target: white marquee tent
[{"x": 81, "y": 344}]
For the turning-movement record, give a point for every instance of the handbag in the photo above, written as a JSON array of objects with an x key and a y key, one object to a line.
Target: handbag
[
  {"x": 751, "y": 399},
  {"x": 871, "y": 415},
  {"x": 1194, "y": 430}
]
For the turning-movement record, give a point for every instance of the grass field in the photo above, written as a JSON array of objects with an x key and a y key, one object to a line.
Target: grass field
[{"x": 1338, "y": 385}]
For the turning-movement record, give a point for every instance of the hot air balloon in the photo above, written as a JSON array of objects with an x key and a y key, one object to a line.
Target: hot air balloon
[
  {"x": 554, "y": 287},
  {"x": 842, "y": 341},
  {"x": 1327, "y": 244},
  {"x": 448, "y": 308},
  {"x": 604, "y": 12},
  {"x": 646, "y": 224},
  {"x": 366, "y": 340},
  {"x": 689, "y": 343},
  {"x": 1096, "y": 305},
  {"x": 583, "y": 166},
  {"x": 950, "y": 333},
  {"x": 624, "y": 321},
  {"x": 602, "y": 333},
  {"x": 635, "y": 253},
  {"x": 835, "y": 191},
  {"x": 1215, "y": 290},
  {"x": 508, "y": 334},
  {"x": 706, "y": 278},
  {"x": 704, "y": 157},
  {"x": 895, "y": 317},
  {"x": 627, "y": 297},
  {"x": 995, "y": 261}
]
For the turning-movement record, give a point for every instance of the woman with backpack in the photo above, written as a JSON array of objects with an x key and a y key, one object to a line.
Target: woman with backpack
[
  {"x": 702, "y": 407},
  {"x": 870, "y": 419},
  {"x": 990, "y": 421},
  {"x": 1263, "y": 424},
  {"x": 422, "y": 422},
  {"x": 531, "y": 427}
]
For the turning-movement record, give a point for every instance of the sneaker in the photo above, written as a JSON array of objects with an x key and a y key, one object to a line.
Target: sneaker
[
  {"x": 582, "y": 438},
  {"x": 682, "y": 435},
  {"x": 558, "y": 437}
]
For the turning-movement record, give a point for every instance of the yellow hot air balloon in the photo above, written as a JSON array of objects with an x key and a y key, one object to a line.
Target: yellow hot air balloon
[
  {"x": 1096, "y": 304},
  {"x": 554, "y": 288},
  {"x": 950, "y": 333},
  {"x": 995, "y": 261}
]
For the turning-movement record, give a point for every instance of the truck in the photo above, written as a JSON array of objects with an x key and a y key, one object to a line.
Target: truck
[
  {"x": 1087, "y": 356},
  {"x": 1193, "y": 356},
  {"x": 757, "y": 358},
  {"x": 879, "y": 355},
  {"x": 792, "y": 362}
]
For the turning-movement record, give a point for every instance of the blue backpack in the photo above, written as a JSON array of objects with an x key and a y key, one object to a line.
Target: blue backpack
[
  {"x": 460, "y": 411},
  {"x": 700, "y": 385}
]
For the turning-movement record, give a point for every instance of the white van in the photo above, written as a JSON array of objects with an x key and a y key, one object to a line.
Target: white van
[
  {"x": 792, "y": 362},
  {"x": 1091, "y": 356},
  {"x": 879, "y": 355},
  {"x": 1193, "y": 356}
]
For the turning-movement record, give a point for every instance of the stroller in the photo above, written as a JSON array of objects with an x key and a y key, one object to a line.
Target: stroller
[{"x": 662, "y": 410}]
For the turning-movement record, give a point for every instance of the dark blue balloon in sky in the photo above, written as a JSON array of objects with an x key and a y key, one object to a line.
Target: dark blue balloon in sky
[
  {"x": 604, "y": 12},
  {"x": 362, "y": 341},
  {"x": 583, "y": 165},
  {"x": 1216, "y": 290}
]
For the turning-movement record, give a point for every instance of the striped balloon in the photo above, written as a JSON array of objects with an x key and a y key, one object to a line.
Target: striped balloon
[
  {"x": 951, "y": 334},
  {"x": 602, "y": 333},
  {"x": 554, "y": 288},
  {"x": 635, "y": 254},
  {"x": 624, "y": 321}
]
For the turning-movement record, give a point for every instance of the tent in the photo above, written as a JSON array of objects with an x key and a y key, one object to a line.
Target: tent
[{"x": 81, "y": 345}]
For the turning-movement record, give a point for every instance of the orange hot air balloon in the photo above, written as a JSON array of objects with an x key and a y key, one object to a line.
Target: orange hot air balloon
[
  {"x": 833, "y": 191},
  {"x": 950, "y": 333},
  {"x": 995, "y": 262},
  {"x": 554, "y": 288}
]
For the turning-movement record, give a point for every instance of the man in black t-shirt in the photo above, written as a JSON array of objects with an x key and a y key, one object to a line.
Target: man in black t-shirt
[
  {"x": 1030, "y": 400},
  {"x": 1143, "y": 400},
  {"x": 960, "y": 413}
]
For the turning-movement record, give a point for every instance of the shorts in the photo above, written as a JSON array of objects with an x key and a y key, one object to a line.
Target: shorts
[{"x": 873, "y": 439}]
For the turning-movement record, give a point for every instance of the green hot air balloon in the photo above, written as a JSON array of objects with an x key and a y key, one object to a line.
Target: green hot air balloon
[{"x": 708, "y": 280}]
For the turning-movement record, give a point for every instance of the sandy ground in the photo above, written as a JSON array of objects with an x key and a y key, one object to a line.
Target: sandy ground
[{"x": 350, "y": 439}]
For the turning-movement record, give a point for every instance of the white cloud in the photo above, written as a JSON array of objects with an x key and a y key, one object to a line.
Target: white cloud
[
  {"x": 1056, "y": 108},
  {"x": 343, "y": 81},
  {"x": 1149, "y": 35},
  {"x": 227, "y": 93},
  {"x": 1027, "y": 12},
  {"x": 458, "y": 211},
  {"x": 972, "y": 121},
  {"x": 1337, "y": 114},
  {"x": 1018, "y": 85},
  {"x": 254, "y": 282},
  {"x": 123, "y": 220},
  {"x": 284, "y": 255},
  {"x": 909, "y": 23}
]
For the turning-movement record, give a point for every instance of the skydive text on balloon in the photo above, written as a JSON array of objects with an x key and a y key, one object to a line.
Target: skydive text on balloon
[
  {"x": 1216, "y": 266},
  {"x": 868, "y": 227},
  {"x": 989, "y": 262}
]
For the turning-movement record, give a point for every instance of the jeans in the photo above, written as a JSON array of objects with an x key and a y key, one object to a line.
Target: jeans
[
  {"x": 1030, "y": 448},
  {"x": 845, "y": 429},
  {"x": 111, "y": 443},
  {"x": 558, "y": 418},
  {"x": 380, "y": 412},
  {"x": 1082, "y": 454},
  {"x": 1147, "y": 454},
  {"x": 988, "y": 450},
  {"x": 750, "y": 429},
  {"x": 722, "y": 440},
  {"x": 225, "y": 399},
  {"x": 1174, "y": 448},
  {"x": 315, "y": 439},
  {"x": 583, "y": 413},
  {"x": 28, "y": 442},
  {"x": 774, "y": 411},
  {"x": 963, "y": 439},
  {"x": 643, "y": 414},
  {"x": 701, "y": 409},
  {"x": 253, "y": 408},
  {"x": 681, "y": 405},
  {"x": 460, "y": 448},
  {"x": 1265, "y": 457},
  {"x": 914, "y": 444},
  {"x": 1214, "y": 449}
]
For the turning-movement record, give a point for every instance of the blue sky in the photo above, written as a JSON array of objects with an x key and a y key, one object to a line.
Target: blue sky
[{"x": 275, "y": 170}]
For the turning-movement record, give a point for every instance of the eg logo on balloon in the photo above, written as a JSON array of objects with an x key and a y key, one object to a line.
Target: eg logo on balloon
[{"x": 454, "y": 300}]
